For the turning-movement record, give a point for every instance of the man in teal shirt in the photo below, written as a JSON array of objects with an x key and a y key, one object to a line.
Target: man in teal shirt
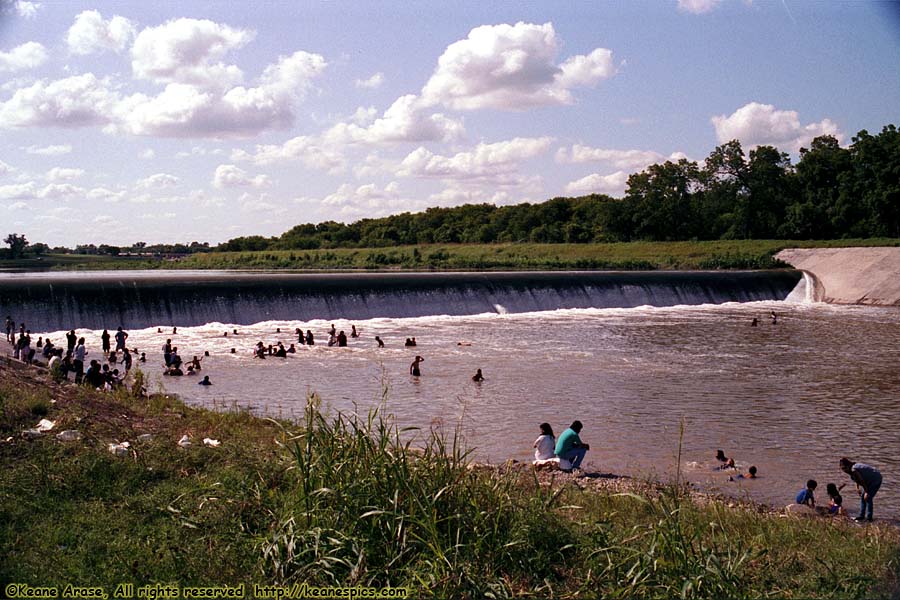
[{"x": 570, "y": 447}]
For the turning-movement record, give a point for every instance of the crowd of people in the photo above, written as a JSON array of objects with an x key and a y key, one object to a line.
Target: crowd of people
[{"x": 106, "y": 375}]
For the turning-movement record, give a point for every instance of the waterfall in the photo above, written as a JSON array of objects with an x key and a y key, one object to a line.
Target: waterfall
[{"x": 143, "y": 299}]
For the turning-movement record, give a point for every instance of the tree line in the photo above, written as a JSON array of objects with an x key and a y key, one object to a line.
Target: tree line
[{"x": 831, "y": 193}]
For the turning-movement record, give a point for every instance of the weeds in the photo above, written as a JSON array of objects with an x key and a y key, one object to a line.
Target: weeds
[{"x": 354, "y": 500}]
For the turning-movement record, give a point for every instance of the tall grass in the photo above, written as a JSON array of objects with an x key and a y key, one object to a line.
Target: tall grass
[
  {"x": 355, "y": 500},
  {"x": 369, "y": 508}
]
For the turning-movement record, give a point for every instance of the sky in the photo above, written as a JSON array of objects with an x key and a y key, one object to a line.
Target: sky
[{"x": 165, "y": 122}]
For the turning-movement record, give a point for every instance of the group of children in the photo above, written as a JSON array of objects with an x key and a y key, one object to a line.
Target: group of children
[
  {"x": 807, "y": 497},
  {"x": 728, "y": 463},
  {"x": 867, "y": 479}
]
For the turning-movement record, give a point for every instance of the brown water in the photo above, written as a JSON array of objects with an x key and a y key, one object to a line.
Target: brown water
[{"x": 790, "y": 398}]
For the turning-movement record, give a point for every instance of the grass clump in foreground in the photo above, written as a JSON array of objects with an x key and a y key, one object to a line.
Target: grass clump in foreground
[{"x": 347, "y": 500}]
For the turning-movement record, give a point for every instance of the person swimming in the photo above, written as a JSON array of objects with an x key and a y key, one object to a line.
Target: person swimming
[
  {"x": 478, "y": 377},
  {"x": 205, "y": 381},
  {"x": 727, "y": 463},
  {"x": 751, "y": 474}
]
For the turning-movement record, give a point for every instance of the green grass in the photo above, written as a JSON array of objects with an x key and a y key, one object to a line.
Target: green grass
[
  {"x": 353, "y": 500},
  {"x": 721, "y": 254}
]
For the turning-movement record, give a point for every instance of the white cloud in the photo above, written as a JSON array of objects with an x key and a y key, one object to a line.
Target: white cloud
[
  {"x": 186, "y": 51},
  {"x": 198, "y": 151},
  {"x": 457, "y": 196},
  {"x": 157, "y": 181},
  {"x": 185, "y": 110},
  {"x": 30, "y": 191},
  {"x": 16, "y": 191},
  {"x": 511, "y": 67},
  {"x": 697, "y": 7},
  {"x": 308, "y": 150},
  {"x": 18, "y": 206},
  {"x": 372, "y": 82},
  {"x": 354, "y": 202},
  {"x": 5, "y": 168},
  {"x": 55, "y": 150},
  {"x": 104, "y": 219},
  {"x": 581, "y": 70},
  {"x": 76, "y": 101},
  {"x": 147, "y": 154},
  {"x": 628, "y": 160},
  {"x": 105, "y": 194},
  {"x": 407, "y": 120},
  {"x": 496, "y": 163},
  {"x": 756, "y": 124},
  {"x": 90, "y": 33},
  {"x": 27, "y": 56},
  {"x": 613, "y": 184},
  {"x": 56, "y": 191},
  {"x": 228, "y": 176},
  {"x": 22, "y": 8},
  {"x": 62, "y": 174}
]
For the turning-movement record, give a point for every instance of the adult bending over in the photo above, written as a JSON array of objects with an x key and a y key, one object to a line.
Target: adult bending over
[{"x": 867, "y": 480}]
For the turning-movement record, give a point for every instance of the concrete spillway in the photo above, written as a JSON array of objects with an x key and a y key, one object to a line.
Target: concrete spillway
[{"x": 850, "y": 275}]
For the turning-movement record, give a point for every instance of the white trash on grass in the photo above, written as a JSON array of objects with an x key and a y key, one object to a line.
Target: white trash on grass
[
  {"x": 211, "y": 442},
  {"x": 120, "y": 450},
  {"x": 69, "y": 435}
]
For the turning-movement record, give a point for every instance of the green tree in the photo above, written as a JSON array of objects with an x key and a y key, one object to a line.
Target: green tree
[
  {"x": 661, "y": 201},
  {"x": 17, "y": 244},
  {"x": 820, "y": 172}
]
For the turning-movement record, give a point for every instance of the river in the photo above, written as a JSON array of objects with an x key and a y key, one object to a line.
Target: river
[{"x": 790, "y": 398}]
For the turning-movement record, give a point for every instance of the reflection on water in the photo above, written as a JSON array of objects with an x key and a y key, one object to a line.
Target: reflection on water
[{"x": 790, "y": 398}]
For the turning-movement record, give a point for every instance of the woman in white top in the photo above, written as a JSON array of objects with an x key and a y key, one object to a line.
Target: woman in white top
[{"x": 545, "y": 445}]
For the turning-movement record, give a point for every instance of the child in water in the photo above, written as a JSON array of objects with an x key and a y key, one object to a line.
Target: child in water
[
  {"x": 751, "y": 474},
  {"x": 727, "y": 463}
]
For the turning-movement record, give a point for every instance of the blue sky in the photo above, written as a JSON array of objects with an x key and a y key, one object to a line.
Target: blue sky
[{"x": 175, "y": 122}]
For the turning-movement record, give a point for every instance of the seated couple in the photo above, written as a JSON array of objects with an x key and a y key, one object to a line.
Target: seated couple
[{"x": 568, "y": 451}]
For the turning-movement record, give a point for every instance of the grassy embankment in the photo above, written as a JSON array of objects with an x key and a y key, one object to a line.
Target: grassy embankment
[
  {"x": 727, "y": 254},
  {"x": 337, "y": 500}
]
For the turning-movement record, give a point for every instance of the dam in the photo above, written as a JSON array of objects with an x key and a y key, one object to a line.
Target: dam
[
  {"x": 138, "y": 299},
  {"x": 850, "y": 275}
]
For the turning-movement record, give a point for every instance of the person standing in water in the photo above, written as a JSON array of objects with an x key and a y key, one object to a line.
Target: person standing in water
[
  {"x": 380, "y": 343},
  {"x": 104, "y": 338},
  {"x": 414, "y": 367},
  {"x": 478, "y": 377},
  {"x": 353, "y": 332},
  {"x": 121, "y": 336}
]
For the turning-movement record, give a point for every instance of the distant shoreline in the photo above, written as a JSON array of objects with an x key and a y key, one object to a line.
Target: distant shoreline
[{"x": 626, "y": 256}]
